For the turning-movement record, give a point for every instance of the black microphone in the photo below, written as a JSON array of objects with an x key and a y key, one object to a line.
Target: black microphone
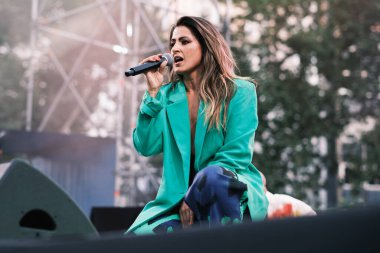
[{"x": 149, "y": 65}]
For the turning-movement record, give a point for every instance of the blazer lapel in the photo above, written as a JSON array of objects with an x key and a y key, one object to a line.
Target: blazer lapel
[{"x": 178, "y": 115}]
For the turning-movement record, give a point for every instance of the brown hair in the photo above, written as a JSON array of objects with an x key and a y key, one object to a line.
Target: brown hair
[{"x": 217, "y": 69}]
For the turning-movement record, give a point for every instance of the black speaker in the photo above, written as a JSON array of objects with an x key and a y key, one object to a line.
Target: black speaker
[{"x": 31, "y": 205}]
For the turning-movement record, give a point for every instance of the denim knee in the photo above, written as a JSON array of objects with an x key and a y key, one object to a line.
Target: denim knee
[{"x": 209, "y": 175}]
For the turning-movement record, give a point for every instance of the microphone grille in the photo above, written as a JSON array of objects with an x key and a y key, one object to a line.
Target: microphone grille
[{"x": 169, "y": 58}]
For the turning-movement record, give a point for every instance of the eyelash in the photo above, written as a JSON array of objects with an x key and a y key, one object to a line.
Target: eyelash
[{"x": 183, "y": 42}]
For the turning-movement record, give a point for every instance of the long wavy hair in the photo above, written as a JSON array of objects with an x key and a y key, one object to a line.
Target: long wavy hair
[{"x": 217, "y": 69}]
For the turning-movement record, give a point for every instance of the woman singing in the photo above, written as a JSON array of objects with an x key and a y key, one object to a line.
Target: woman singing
[{"x": 204, "y": 122}]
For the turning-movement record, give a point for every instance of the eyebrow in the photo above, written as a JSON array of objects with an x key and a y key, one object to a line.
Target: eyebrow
[{"x": 181, "y": 38}]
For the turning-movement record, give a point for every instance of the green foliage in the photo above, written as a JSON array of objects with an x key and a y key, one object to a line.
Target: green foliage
[
  {"x": 363, "y": 159},
  {"x": 14, "y": 29},
  {"x": 306, "y": 105},
  {"x": 372, "y": 142},
  {"x": 11, "y": 92},
  {"x": 14, "y": 21}
]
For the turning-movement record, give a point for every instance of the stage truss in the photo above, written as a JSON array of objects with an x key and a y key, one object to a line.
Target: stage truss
[{"x": 82, "y": 50}]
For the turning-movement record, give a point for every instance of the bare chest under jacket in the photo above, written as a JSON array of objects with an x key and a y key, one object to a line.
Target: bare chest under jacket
[{"x": 193, "y": 104}]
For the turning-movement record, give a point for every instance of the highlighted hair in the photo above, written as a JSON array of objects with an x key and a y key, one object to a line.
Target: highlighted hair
[{"x": 217, "y": 69}]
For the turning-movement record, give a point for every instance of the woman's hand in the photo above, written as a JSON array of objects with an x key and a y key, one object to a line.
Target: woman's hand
[
  {"x": 187, "y": 216},
  {"x": 154, "y": 77}
]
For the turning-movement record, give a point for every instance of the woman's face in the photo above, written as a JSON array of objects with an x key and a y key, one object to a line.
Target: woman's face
[{"x": 186, "y": 51}]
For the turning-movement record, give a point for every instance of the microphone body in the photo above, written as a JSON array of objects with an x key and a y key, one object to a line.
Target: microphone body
[{"x": 149, "y": 65}]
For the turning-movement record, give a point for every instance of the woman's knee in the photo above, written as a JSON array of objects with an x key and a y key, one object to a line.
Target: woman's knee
[{"x": 209, "y": 176}]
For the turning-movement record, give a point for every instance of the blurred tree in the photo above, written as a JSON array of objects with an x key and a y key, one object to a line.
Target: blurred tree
[
  {"x": 371, "y": 168},
  {"x": 363, "y": 159},
  {"x": 14, "y": 28},
  {"x": 15, "y": 21},
  {"x": 12, "y": 92},
  {"x": 317, "y": 64}
]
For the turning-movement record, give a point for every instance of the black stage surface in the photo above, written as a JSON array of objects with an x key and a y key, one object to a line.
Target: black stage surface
[{"x": 353, "y": 230}]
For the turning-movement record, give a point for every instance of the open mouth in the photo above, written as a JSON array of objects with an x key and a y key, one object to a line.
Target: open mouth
[{"x": 177, "y": 59}]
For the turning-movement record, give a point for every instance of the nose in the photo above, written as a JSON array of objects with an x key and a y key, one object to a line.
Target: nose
[{"x": 175, "y": 48}]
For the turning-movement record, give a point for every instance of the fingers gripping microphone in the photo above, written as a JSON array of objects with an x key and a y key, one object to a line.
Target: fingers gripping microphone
[{"x": 149, "y": 65}]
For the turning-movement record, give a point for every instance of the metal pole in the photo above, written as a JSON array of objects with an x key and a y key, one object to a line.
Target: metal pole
[
  {"x": 30, "y": 89},
  {"x": 120, "y": 98},
  {"x": 133, "y": 101}
]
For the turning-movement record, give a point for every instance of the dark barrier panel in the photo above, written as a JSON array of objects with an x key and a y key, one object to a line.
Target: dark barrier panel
[
  {"x": 32, "y": 206},
  {"x": 345, "y": 231},
  {"x": 83, "y": 166},
  {"x": 107, "y": 219}
]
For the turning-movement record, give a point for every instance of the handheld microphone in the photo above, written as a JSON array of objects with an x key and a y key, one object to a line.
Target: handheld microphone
[{"x": 149, "y": 65}]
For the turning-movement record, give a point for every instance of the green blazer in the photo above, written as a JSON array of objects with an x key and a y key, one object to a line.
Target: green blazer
[{"x": 163, "y": 125}]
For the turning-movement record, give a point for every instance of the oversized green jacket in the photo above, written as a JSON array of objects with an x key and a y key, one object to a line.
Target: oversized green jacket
[{"x": 163, "y": 125}]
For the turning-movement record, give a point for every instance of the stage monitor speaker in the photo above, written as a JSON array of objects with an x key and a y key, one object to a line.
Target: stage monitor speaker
[{"x": 31, "y": 205}]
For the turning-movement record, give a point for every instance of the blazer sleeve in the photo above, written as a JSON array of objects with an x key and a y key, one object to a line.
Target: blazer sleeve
[
  {"x": 147, "y": 136},
  {"x": 242, "y": 121}
]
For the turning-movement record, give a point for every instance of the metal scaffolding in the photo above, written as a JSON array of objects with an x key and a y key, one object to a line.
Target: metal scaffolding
[{"x": 124, "y": 31}]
